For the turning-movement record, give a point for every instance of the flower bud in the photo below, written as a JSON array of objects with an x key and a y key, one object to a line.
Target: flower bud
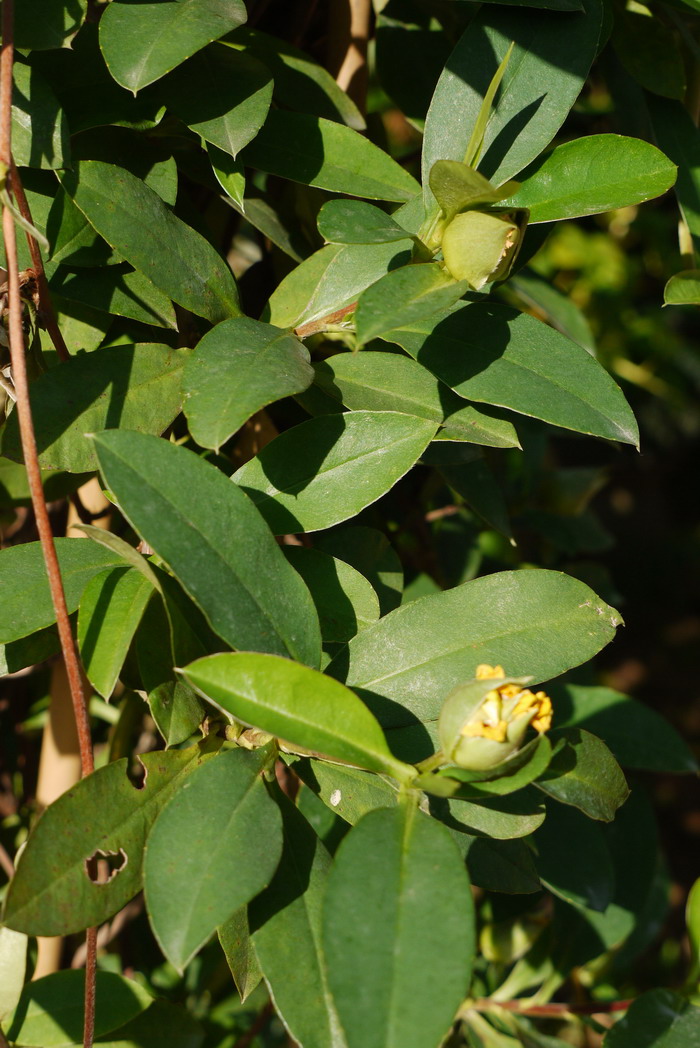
[
  {"x": 484, "y": 721},
  {"x": 480, "y": 246}
]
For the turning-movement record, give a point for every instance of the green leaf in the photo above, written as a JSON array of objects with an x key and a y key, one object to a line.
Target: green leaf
[
  {"x": 143, "y": 42},
  {"x": 356, "y": 222},
  {"x": 371, "y": 553},
  {"x": 349, "y": 792},
  {"x": 657, "y": 1019},
  {"x": 330, "y": 279},
  {"x": 573, "y": 859},
  {"x": 585, "y": 774},
  {"x": 679, "y": 138},
  {"x": 371, "y": 381},
  {"x": 121, "y": 291},
  {"x": 345, "y": 601},
  {"x": 136, "y": 387},
  {"x": 404, "y": 296},
  {"x": 222, "y": 95},
  {"x": 327, "y": 469},
  {"x": 13, "y": 963},
  {"x": 500, "y": 866},
  {"x": 162, "y": 1025},
  {"x": 50, "y": 1011},
  {"x": 110, "y": 611},
  {"x": 134, "y": 220},
  {"x": 549, "y": 64},
  {"x": 237, "y": 368},
  {"x": 683, "y": 289},
  {"x": 637, "y": 735},
  {"x": 237, "y": 944},
  {"x": 300, "y": 83},
  {"x": 502, "y": 818},
  {"x": 43, "y": 24},
  {"x": 458, "y": 186},
  {"x": 230, "y": 174},
  {"x": 475, "y": 482},
  {"x": 39, "y": 126},
  {"x": 286, "y": 921},
  {"x": 299, "y": 705},
  {"x": 559, "y": 310},
  {"x": 648, "y": 50},
  {"x": 242, "y": 831},
  {"x": 398, "y": 883},
  {"x": 26, "y": 605},
  {"x": 493, "y": 354},
  {"x": 533, "y": 622},
  {"x": 319, "y": 152},
  {"x": 251, "y": 597},
  {"x": 592, "y": 174},
  {"x": 51, "y": 892}
]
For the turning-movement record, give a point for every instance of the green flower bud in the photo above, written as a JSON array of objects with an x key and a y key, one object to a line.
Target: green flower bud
[
  {"x": 484, "y": 721},
  {"x": 480, "y": 246}
]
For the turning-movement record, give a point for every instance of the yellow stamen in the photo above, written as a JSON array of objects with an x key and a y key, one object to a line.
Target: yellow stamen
[
  {"x": 486, "y": 672},
  {"x": 497, "y": 732}
]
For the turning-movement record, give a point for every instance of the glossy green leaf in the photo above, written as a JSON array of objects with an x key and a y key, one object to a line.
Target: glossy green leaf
[
  {"x": 42, "y": 24},
  {"x": 457, "y": 186},
  {"x": 405, "y": 296},
  {"x": 637, "y": 735},
  {"x": 408, "y": 40},
  {"x": 683, "y": 289},
  {"x": 356, "y": 222},
  {"x": 501, "y": 866},
  {"x": 557, "y": 309},
  {"x": 121, "y": 291},
  {"x": 287, "y": 935},
  {"x": 657, "y": 1019},
  {"x": 72, "y": 240},
  {"x": 143, "y": 42},
  {"x": 535, "y": 623},
  {"x": 251, "y": 597},
  {"x": 501, "y": 818},
  {"x": 492, "y": 354},
  {"x": 330, "y": 279},
  {"x": 329, "y": 468},
  {"x": 475, "y": 482},
  {"x": 230, "y": 174},
  {"x": 585, "y": 775},
  {"x": 134, "y": 220},
  {"x": 242, "y": 832},
  {"x": 372, "y": 381},
  {"x": 349, "y": 792},
  {"x": 552, "y": 55},
  {"x": 573, "y": 859},
  {"x": 299, "y": 705},
  {"x": 371, "y": 553},
  {"x": 104, "y": 815},
  {"x": 345, "y": 601},
  {"x": 39, "y": 126},
  {"x": 590, "y": 175},
  {"x": 222, "y": 95},
  {"x": 398, "y": 883},
  {"x": 136, "y": 387},
  {"x": 13, "y": 963},
  {"x": 110, "y": 611},
  {"x": 648, "y": 50},
  {"x": 300, "y": 83},
  {"x": 237, "y": 368},
  {"x": 237, "y": 944},
  {"x": 26, "y": 606},
  {"x": 679, "y": 138},
  {"x": 319, "y": 152},
  {"x": 50, "y": 1011},
  {"x": 163, "y": 1025}
]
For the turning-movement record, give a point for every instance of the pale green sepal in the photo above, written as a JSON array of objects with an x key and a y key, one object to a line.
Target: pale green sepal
[{"x": 480, "y": 246}]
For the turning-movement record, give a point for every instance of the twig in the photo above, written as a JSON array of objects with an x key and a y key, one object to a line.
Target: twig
[
  {"x": 553, "y": 1010},
  {"x": 323, "y": 323},
  {"x": 48, "y": 315},
  {"x": 29, "y": 449},
  {"x": 4, "y": 1043},
  {"x": 6, "y": 862},
  {"x": 247, "y": 1039},
  {"x": 349, "y": 30}
]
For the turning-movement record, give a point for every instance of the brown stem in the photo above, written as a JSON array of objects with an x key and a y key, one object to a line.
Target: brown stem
[
  {"x": 314, "y": 326},
  {"x": 554, "y": 1009},
  {"x": 6, "y": 862},
  {"x": 48, "y": 314},
  {"x": 4, "y": 1043},
  {"x": 349, "y": 30},
  {"x": 29, "y": 449}
]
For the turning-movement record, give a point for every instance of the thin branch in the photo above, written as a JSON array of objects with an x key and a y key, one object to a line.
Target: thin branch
[
  {"x": 554, "y": 1009},
  {"x": 29, "y": 449},
  {"x": 313, "y": 327},
  {"x": 48, "y": 315},
  {"x": 4, "y": 1043},
  {"x": 6, "y": 862}
]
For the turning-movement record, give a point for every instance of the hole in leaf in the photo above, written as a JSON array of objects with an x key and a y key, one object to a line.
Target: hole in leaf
[
  {"x": 137, "y": 773},
  {"x": 102, "y": 867}
]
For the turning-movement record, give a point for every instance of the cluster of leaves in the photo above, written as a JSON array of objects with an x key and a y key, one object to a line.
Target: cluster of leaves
[{"x": 269, "y": 630}]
